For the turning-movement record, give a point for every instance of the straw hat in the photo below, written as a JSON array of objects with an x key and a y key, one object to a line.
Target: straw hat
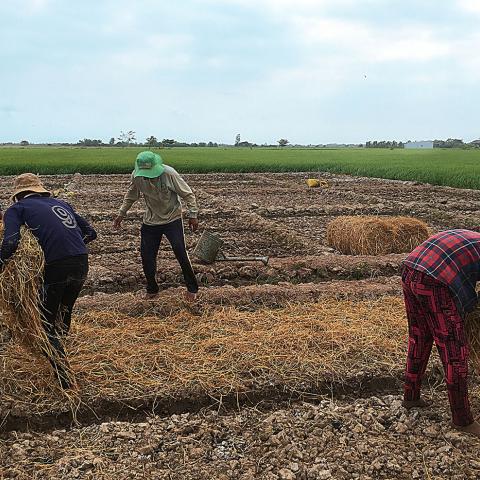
[{"x": 28, "y": 182}]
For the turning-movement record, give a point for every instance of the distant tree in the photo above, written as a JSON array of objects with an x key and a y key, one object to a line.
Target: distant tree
[
  {"x": 202, "y": 144},
  {"x": 449, "y": 143},
  {"x": 88, "y": 142},
  {"x": 237, "y": 140},
  {"x": 126, "y": 138},
  {"x": 391, "y": 144},
  {"x": 283, "y": 142},
  {"x": 168, "y": 142},
  {"x": 112, "y": 142},
  {"x": 152, "y": 141},
  {"x": 24, "y": 143}
]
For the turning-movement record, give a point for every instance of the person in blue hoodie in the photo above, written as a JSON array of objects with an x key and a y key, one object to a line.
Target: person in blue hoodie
[{"x": 63, "y": 235}]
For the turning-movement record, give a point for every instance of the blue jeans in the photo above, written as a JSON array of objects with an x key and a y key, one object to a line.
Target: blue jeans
[{"x": 151, "y": 236}]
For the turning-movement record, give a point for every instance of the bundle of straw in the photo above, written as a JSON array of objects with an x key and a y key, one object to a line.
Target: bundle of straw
[
  {"x": 369, "y": 235},
  {"x": 472, "y": 325},
  {"x": 20, "y": 283}
]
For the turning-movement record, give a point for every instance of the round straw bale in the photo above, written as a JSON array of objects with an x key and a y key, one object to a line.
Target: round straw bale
[
  {"x": 369, "y": 235},
  {"x": 408, "y": 233}
]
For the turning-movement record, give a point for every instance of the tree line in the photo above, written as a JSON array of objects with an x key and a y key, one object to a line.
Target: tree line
[
  {"x": 449, "y": 143},
  {"x": 384, "y": 144},
  {"x": 128, "y": 138}
]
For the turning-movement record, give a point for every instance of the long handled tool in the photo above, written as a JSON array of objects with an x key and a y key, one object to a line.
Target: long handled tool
[{"x": 208, "y": 251}]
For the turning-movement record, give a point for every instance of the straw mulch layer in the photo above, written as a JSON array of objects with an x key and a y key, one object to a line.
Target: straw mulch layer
[
  {"x": 126, "y": 359},
  {"x": 369, "y": 235}
]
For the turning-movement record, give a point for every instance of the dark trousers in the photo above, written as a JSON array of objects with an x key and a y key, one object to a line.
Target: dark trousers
[
  {"x": 433, "y": 317},
  {"x": 63, "y": 281},
  {"x": 151, "y": 236}
]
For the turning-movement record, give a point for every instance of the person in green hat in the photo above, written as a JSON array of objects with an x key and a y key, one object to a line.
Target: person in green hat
[{"x": 162, "y": 189}]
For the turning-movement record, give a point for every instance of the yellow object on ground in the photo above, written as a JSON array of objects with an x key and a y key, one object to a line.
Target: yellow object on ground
[{"x": 315, "y": 182}]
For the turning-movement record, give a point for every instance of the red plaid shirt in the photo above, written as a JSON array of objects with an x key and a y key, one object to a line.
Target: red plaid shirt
[{"x": 453, "y": 258}]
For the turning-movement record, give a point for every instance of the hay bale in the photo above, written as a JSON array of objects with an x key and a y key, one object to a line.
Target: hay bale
[
  {"x": 360, "y": 235},
  {"x": 370, "y": 235},
  {"x": 408, "y": 233},
  {"x": 20, "y": 283}
]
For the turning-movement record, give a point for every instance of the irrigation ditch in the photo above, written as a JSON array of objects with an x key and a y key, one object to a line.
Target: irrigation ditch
[{"x": 138, "y": 410}]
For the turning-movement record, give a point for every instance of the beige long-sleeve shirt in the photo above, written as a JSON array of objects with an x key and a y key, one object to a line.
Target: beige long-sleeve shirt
[{"x": 162, "y": 197}]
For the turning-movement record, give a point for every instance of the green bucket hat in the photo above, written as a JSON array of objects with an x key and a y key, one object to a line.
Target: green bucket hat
[{"x": 148, "y": 164}]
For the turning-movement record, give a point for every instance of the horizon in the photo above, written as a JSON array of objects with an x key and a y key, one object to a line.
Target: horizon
[{"x": 138, "y": 142}]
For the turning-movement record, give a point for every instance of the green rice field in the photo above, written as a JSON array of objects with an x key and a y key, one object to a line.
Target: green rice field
[{"x": 451, "y": 167}]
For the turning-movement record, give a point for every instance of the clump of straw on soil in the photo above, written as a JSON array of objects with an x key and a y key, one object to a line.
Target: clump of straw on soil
[
  {"x": 20, "y": 283},
  {"x": 370, "y": 235}
]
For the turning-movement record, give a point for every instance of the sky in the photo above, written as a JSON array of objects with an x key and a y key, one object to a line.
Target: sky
[{"x": 310, "y": 71}]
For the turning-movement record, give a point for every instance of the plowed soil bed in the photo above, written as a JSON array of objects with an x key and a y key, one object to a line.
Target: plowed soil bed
[
  {"x": 311, "y": 324},
  {"x": 257, "y": 214}
]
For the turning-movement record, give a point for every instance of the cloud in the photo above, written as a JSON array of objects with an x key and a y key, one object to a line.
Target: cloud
[
  {"x": 34, "y": 6},
  {"x": 308, "y": 68},
  {"x": 289, "y": 6},
  {"x": 156, "y": 51},
  {"x": 371, "y": 43},
  {"x": 120, "y": 21},
  {"x": 469, "y": 5},
  {"x": 143, "y": 61}
]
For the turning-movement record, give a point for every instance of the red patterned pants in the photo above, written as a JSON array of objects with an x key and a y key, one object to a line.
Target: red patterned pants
[{"x": 433, "y": 316}]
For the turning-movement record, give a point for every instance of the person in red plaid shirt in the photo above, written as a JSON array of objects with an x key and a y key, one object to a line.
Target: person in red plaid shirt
[{"x": 439, "y": 279}]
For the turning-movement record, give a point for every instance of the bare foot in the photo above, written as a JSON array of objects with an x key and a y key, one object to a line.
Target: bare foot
[
  {"x": 420, "y": 403},
  {"x": 190, "y": 297},
  {"x": 472, "y": 429}
]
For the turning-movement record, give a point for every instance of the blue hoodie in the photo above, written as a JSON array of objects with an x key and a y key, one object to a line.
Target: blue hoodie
[{"x": 60, "y": 231}]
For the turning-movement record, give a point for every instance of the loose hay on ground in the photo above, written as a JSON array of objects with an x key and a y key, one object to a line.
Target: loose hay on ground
[
  {"x": 370, "y": 235},
  {"x": 116, "y": 357}
]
